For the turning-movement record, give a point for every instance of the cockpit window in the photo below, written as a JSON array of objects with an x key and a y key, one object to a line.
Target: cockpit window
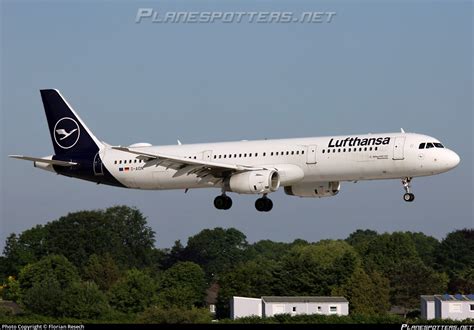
[
  {"x": 422, "y": 146},
  {"x": 429, "y": 145},
  {"x": 438, "y": 145}
]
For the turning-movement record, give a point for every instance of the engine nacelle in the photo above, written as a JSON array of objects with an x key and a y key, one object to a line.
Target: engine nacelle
[
  {"x": 314, "y": 189},
  {"x": 254, "y": 182}
]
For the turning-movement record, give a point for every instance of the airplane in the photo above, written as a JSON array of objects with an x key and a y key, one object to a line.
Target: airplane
[{"x": 304, "y": 167}]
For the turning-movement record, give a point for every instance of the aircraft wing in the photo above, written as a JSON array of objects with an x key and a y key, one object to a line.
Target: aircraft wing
[
  {"x": 44, "y": 160},
  {"x": 185, "y": 166}
]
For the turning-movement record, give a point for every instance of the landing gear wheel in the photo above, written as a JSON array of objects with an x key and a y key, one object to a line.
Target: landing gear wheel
[
  {"x": 222, "y": 202},
  {"x": 263, "y": 204},
  {"x": 408, "y": 197}
]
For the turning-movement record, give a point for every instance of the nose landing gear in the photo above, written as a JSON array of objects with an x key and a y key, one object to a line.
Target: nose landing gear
[{"x": 408, "y": 196}]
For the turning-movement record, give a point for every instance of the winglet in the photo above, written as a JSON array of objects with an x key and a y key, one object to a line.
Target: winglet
[{"x": 402, "y": 130}]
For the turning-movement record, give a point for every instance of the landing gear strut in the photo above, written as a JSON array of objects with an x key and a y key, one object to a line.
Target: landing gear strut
[
  {"x": 408, "y": 196},
  {"x": 223, "y": 202},
  {"x": 264, "y": 204}
]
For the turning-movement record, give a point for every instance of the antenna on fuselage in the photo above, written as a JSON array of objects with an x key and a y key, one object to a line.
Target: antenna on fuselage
[{"x": 402, "y": 130}]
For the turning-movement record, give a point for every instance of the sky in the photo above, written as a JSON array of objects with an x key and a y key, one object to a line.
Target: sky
[{"x": 375, "y": 67}]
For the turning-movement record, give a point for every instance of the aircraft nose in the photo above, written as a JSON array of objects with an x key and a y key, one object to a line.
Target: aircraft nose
[{"x": 452, "y": 159}]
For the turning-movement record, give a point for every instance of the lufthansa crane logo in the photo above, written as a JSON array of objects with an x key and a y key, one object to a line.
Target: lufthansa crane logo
[{"x": 66, "y": 133}]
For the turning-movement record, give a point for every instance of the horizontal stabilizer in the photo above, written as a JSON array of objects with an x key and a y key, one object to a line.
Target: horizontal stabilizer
[{"x": 44, "y": 160}]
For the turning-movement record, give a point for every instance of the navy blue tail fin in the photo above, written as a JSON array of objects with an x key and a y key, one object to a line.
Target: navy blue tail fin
[{"x": 68, "y": 132}]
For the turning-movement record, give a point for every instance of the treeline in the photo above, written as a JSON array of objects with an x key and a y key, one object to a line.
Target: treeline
[{"x": 102, "y": 265}]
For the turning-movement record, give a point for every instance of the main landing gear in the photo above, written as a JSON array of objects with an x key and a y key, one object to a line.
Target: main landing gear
[
  {"x": 264, "y": 204},
  {"x": 408, "y": 196},
  {"x": 223, "y": 202}
]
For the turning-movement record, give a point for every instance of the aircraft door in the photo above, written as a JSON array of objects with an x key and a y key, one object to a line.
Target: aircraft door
[
  {"x": 206, "y": 155},
  {"x": 398, "y": 148},
  {"x": 311, "y": 154},
  {"x": 97, "y": 165}
]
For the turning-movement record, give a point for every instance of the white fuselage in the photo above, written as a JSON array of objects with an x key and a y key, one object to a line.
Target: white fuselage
[{"x": 298, "y": 160}]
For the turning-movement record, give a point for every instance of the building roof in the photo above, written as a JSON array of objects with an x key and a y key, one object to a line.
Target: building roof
[
  {"x": 448, "y": 297},
  {"x": 304, "y": 299}
]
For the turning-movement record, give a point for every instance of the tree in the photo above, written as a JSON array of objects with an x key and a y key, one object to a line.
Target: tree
[
  {"x": 316, "y": 269},
  {"x": 84, "y": 300},
  {"x": 267, "y": 249},
  {"x": 386, "y": 252},
  {"x": 56, "y": 267},
  {"x": 366, "y": 294},
  {"x": 133, "y": 292},
  {"x": 360, "y": 239},
  {"x": 462, "y": 282},
  {"x": 216, "y": 250},
  {"x": 26, "y": 248},
  {"x": 413, "y": 278},
  {"x": 102, "y": 270},
  {"x": 120, "y": 231},
  {"x": 254, "y": 278},
  {"x": 425, "y": 247},
  {"x": 43, "y": 283},
  {"x": 183, "y": 285},
  {"x": 456, "y": 252},
  {"x": 44, "y": 297}
]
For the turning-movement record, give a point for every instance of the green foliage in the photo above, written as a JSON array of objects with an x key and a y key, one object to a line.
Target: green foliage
[
  {"x": 412, "y": 279},
  {"x": 455, "y": 254},
  {"x": 425, "y": 247},
  {"x": 253, "y": 278},
  {"x": 316, "y": 269},
  {"x": 133, "y": 292},
  {"x": 120, "y": 231},
  {"x": 174, "y": 315},
  {"x": 366, "y": 294},
  {"x": 360, "y": 239},
  {"x": 182, "y": 285},
  {"x": 216, "y": 250},
  {"x": 11, "y": 289},
  {"x": 44, "y": 297},
  {"x": 55, "y": 267},
  {"x": 84, "y": 300},
  {"x": 26, "y": 248},
  {"x": 462, "y": 282},
  {"x": 102, "y": 270}
]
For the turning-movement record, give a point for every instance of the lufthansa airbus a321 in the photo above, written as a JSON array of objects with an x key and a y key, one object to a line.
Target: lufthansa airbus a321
[{"x": 304, "y": 167}]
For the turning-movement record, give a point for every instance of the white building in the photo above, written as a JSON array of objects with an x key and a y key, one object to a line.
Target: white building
[
  {"x": 243, "y": 307},
  {"x": 268, "y": 306},
  {"x": 457, "y": 307}
]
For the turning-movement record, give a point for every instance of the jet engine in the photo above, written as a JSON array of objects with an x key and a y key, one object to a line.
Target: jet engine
[
  {"x": 254, "y": 182},
  {"x": 314, "y": 189}
]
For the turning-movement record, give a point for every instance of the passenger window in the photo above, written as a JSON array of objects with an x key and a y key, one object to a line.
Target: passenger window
[
  {"x": 302, "y": 152},
  {"x": 240, "y": 155},
  {"x": 323, "y": 151},
  {"x": 225, "y": 156},
  {"x": 360, "y": 149},
  {"x": 338, "y": 150},
  {"x": 220, "y": 156},
  {"x": 256, "y": 154},
  {"x": 370, "y": 148},
  {"x": 429, "y": 145},
  {"x": 376, "y": 148},
  {"x": 349, "y": 149},
  {"x": 115, "y": 162},
  {"x": 271, "y": 154},
  {"x": 120, "y": 162},
  {"x": 344, "y": 150},
  {"x": 292, "y": 152},
  {"x": 250, "y": 154},
  {"x": 276, "y": 153},
  {"x": 245, "y": 155},
  {"x": 422, "y": 146},
  {"x": 333, "y": 151},
  {"x": 297, "y": 152},
  {"x": 365, "y": 148},
  {"x": 264, "y": 154}
]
